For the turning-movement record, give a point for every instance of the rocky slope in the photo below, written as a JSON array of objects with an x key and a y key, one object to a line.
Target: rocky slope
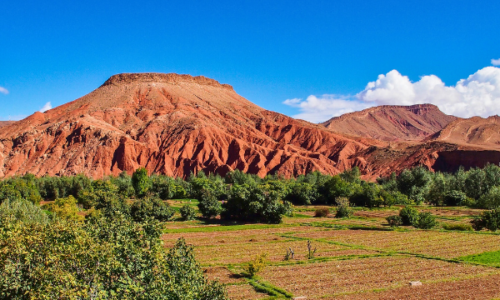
[
  {"x": 392, "y": 123},
  {"x": 177, "y": 124},
  {"x": 476, "y": 131},
  {"x": 5, "y": 123},
  {"x": 171, "y": 124}
]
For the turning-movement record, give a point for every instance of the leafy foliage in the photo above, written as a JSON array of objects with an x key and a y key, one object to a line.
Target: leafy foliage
[
  {"x": 256, "y": 265},
  {"x": 187, "y": 212},
  {"x": 255, "y": 204},
  {"x": 409, "y": 215},
  {"x": 151, "y": 208},
  {"x": 101, "y": 259},
  {"x": 65, "y": 208},
  {"x": 322, "y": 212},
  {"x": 457, "y": 227},
  {"x": 208, "y": 204},
  {"x": 488, "y": 219},
  {"x": 343, "y": 208},
  {"x": 141, "y": 182},
  {"x": 394, "y": 221},
  {"x": 425, "y": 221}
]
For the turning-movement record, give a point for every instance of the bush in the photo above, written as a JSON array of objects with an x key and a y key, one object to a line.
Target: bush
[
  {"x": 343, "y": 208},
  {"x": 22, "y": 211},
  {"x": 187, "y": 212},
  {"x": 488, "y": 219},
  {"x": 154, "y": 208},
  {"x": 208, "y": 205},
  {"x": 256, "y": 265},
  {"x": 455, "y": 198},
  {"x": 409, "y": 215},
  {"x": 426, "y": 221},
  {"x": 255, "y": 203},
  {"x": 141, "y": 182},
  {"x": 322, "y": 212},
  {"x": 394, "y": 221},
  {"x": 458, "y": 227},
  {"x": 65, "y": 208},
  {"x": 101, "y": 259}
]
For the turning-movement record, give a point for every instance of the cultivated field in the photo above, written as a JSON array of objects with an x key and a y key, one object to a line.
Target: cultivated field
[{"x": 357, "y": 258}]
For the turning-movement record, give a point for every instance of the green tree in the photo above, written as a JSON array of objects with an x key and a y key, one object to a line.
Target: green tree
[
  {"x": 187, "y": 212},
  {"x": 146, "y": 208},
  {"x": 409, "y": 215},
  {"x": 141, "y": 182},
  {"x": 208, "y": 204}
]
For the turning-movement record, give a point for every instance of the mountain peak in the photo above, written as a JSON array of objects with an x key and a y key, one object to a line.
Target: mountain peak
[
  {"x": 392, "y": 122},
  {"x": 127, "y": 78}
]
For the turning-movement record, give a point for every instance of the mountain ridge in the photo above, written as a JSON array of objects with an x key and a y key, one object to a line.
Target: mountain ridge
[{"x": 177, "y": 124}]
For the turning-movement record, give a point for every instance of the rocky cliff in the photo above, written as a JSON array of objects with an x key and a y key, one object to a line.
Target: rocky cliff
[{"x": 177, "y": 124}]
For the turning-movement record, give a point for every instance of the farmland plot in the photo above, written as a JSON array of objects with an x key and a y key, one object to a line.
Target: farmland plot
[
  {"x": 328, "y": 279},
  {"x": 434, "y": 243}
]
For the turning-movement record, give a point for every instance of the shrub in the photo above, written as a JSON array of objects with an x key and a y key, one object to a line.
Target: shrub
[
  {"x": 155, "y": 208},
  {"x": 394, "y": 221},
  {"x": 100, "y": 259},
  {"x": 141, "y": 182},
  {"x": 187, "y": 212},
  {"x": 22, "y": 211},
  {"x": 65, "y": 208},
  {"x": 425, "y": 221},
  {"x": 488, "y": 219},
  {"x": 455, "y": 198},
  {"x": 458, "y": 227},
  {"x": 343, "y": 209},
  {"x": 322, "y": 212},
  {"x": 255, "y": 203},
  {"x": 409, "y": 215},
  {"x": 256, "y": 265},
  {"x": 208, "y": 204}
]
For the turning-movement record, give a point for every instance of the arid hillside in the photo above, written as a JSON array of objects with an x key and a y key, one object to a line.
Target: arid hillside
[
  {"x": 171, "y": 124},
  {"x": 5, "y": 123},
  {"x": 177, "y": 124},
  {"x": 475, "y": 131},
  {"x": 392, "y": 123}
]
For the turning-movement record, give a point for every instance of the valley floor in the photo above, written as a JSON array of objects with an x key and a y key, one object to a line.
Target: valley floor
[{"x": 357, "y": 258}]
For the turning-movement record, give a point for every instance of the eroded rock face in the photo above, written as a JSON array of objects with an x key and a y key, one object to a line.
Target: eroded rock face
[
  {"x": 392, "y": 123},
  {"x": 170, "y": 124},
  {"x": 177, "y": 124}
]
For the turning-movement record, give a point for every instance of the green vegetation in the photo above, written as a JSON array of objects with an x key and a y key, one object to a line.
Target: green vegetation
[
  {"x": 457, "y": 227},
  {"x": 108, "y": 257},
  {"x": 322, "y": 212},
  {"x": 256, "y": 265},
  {"x": 489, "y": 258},
  {"x": 409, "y": 215},
  {"x": 100, "y": 239},
  {"x": 188, "y": 213},
  {"x": 394, "y": 221}
]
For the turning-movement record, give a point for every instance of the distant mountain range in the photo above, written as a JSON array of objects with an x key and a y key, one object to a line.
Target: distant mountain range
[{"x": 177, "y": 124}]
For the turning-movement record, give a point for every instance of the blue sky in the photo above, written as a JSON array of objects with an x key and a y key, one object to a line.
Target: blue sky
[{"x": 270, "y": 51}]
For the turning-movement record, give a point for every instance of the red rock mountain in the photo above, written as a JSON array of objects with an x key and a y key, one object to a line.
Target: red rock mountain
[
  {"x": 476, "y": 132},
  {"x": 5, "y": 123},
  {"x": 177, "y": 124},
  {"x": 392, "y": 123},
  {"x": 171, "y": 124}
]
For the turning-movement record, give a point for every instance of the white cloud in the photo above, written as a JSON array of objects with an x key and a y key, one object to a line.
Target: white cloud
[
  {"x": 495, "y": 62},
  {"x": 478, "y": 95},
  {"x": 46, "y": 107},
  {"x": 4, "y": 90}
]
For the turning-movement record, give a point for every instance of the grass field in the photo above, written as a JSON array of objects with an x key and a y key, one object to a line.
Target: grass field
[{"x": 356, "y": 258}]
